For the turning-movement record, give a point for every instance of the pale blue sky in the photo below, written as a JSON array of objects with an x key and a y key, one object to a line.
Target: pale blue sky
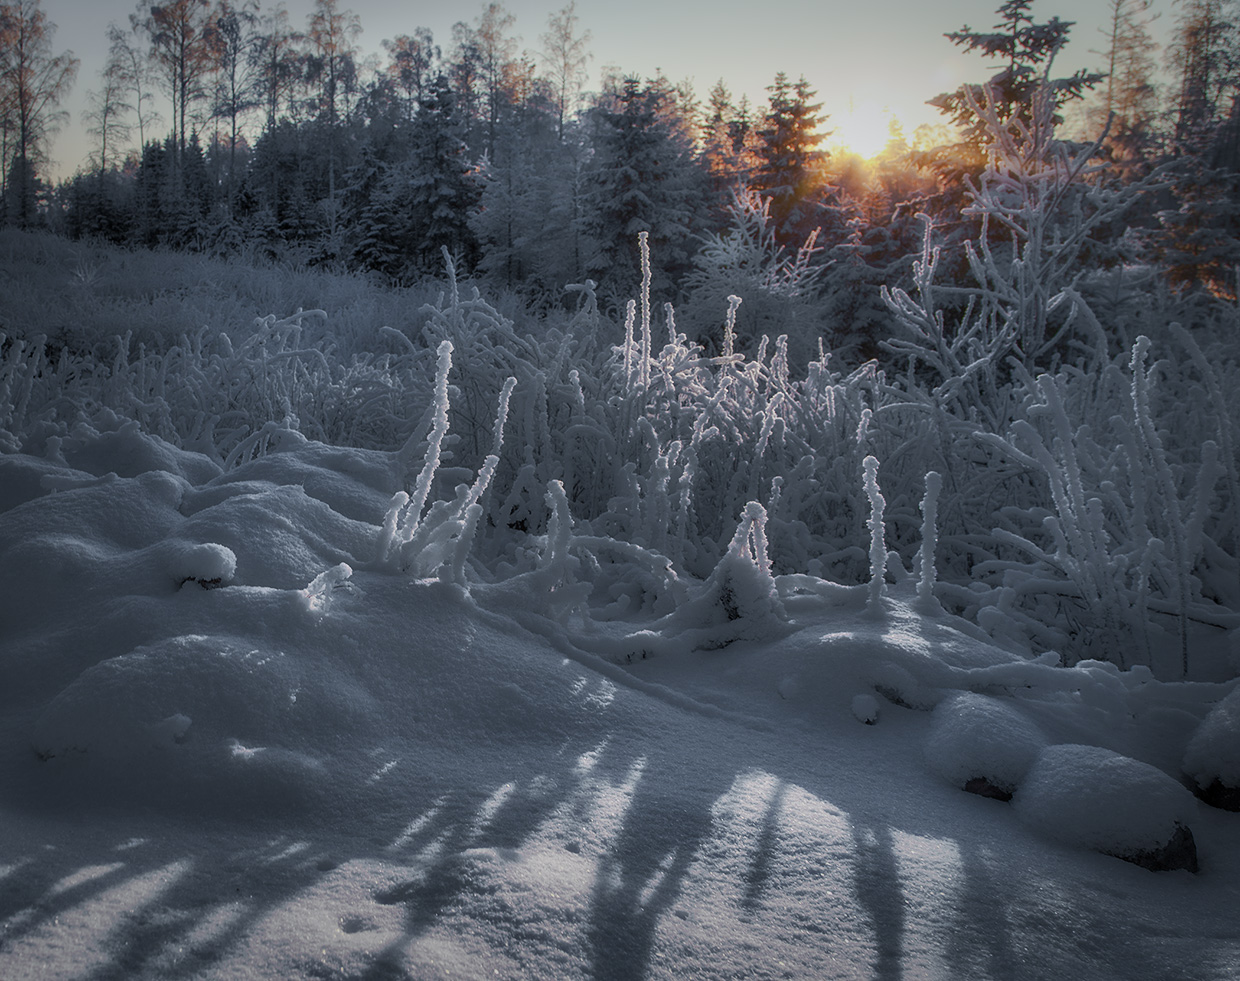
[{"x": 863, "y": 56}]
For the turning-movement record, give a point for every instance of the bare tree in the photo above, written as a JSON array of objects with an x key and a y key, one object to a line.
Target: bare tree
[
  {"x": 33, "y": 82},
  {"x": 106, "y": 109},
  {"x": 410, "y": 60},
  {"x": 181, "y": 33},
  {"x": 332, "y": 35},
  {"x": 278, "y": 57},
  {"x": 565, "y": 53},
  {"x": 129, "y": 49},
  {"x": 237, "y": 68}
]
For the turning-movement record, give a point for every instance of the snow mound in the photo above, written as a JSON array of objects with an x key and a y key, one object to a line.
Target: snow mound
[
  {"x": 976, "y": 737},
  {"x": 1213, "y": 754},
  {"x": 208, "y": 564},
  {"x": 167, "y": 718},
  {"x": 1089, "y": 796},
  {"x": 865, "y": 709}
]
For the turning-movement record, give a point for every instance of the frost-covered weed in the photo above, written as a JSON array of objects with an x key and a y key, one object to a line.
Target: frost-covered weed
[{"x": 1088, "y": 507}]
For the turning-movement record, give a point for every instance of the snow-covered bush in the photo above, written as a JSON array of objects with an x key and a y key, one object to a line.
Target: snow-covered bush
[
  {"x": 780, "y": 291},
  {"x": 1086, "y": 509}
]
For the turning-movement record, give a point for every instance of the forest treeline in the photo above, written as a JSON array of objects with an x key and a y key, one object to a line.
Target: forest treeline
[{"x": 285, "y": 142}]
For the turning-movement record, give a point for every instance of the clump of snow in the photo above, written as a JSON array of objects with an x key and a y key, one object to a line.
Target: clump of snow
[
  {"x": 976, "y": 736},
  {"x": 208, "y": 565},
  {"x": 865, "y": 708},
  {"x": 318, "y": 595},
  {"x": 1214, "y": 751},
  {"x": 1089, "y": 796}
]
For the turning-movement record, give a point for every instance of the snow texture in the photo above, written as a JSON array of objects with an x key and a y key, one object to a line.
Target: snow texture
[
  {"x": 977, "y": 736},
  {"x": 328, "y": 768},
  {"x": 1090, "y": 796},
  {"x": 1214, "y": 751}
]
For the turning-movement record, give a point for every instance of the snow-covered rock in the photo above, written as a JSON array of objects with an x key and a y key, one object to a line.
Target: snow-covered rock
[
  {"x": 1212, "y": 758},
  {"x": 1089, "y": 796},
  {"x": 865, "y": 708},
  {"x": 982, "y": 744}
]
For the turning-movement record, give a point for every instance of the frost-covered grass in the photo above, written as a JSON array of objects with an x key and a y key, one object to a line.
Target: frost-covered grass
[{"x": 1087, "y": 509}]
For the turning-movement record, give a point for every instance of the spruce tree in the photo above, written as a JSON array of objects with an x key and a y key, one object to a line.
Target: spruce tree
[
  {"x": 642, "y": 178},
  {"x": 790, "y": 159}
]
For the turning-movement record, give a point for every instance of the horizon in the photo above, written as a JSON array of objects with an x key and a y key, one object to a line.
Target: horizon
[{"x": 858, "y": 102}]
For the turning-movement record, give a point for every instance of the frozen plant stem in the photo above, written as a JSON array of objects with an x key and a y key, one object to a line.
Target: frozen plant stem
[
  {"x": 439, "y": 429},
  {"x": 878, "y": 546},
  {"x": 929, "y": 538}
]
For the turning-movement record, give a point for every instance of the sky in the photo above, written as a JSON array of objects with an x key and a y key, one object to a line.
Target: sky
[{"x": 866, "y": 60}]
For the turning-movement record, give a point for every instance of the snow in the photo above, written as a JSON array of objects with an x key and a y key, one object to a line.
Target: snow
[
  {"x": 1091, "y": 796},
  {"x": 974, "y": 736},
  {"x": 1214, "y": 751},
  {"x": 324, "y": 767}
]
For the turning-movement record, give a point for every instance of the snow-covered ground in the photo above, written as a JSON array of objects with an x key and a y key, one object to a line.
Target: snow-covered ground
[{"x": 225, "y": 754}]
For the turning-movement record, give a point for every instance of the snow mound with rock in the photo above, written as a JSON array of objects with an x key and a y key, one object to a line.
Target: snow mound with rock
[
  {"x": 982, "y": 744},
  {"x": 1096, "y": 798}
]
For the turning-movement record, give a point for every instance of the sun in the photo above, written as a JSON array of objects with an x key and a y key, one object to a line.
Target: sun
[{"x": 864, "y": 129}]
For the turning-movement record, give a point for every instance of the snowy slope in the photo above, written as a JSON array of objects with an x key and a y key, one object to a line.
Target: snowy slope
[{"x": 223, "y": 754}]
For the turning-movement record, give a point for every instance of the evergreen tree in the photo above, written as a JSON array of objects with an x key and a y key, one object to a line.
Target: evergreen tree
[
  {"x": 642, "y": 178},
  {"x": 1199, "y": 242},
  {"x": 421, "y": 204},
  {"x": 1205, "y": 57},
  {"x": 790, "y": 161},
  {"x": 1026, "y": 50}
]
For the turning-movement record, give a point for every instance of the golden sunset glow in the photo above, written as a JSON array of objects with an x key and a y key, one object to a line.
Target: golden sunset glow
[{"x": 864, "y": 129}]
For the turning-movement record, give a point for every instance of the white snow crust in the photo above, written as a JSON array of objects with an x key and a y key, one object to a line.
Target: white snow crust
[
  {"x": 326, "y": 767},
  {"x": 1090, "y": 796},
  {"x": 1214, "y": 751},
  {"x": 975, "y": 735}
]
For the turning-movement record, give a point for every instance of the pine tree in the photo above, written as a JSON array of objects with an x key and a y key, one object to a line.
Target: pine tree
[
  {"x": 1204, "y": 57},
  {"x": 421, "y": 203},
  {"x": 1200, "y": 237},
  {"x": 1026, "y": 49}
]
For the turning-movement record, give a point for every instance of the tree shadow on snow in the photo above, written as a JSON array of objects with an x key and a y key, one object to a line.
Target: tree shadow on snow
[
  {"x": 642, "y": 875},
  {"x": 876, "y": 884},
  {"x": 136, "y": 907}
]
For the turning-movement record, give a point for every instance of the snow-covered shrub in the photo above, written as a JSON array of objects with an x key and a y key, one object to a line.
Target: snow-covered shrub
[
  {"x": 982, "y": 744},
  {"x": 780, "y": 291}
]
